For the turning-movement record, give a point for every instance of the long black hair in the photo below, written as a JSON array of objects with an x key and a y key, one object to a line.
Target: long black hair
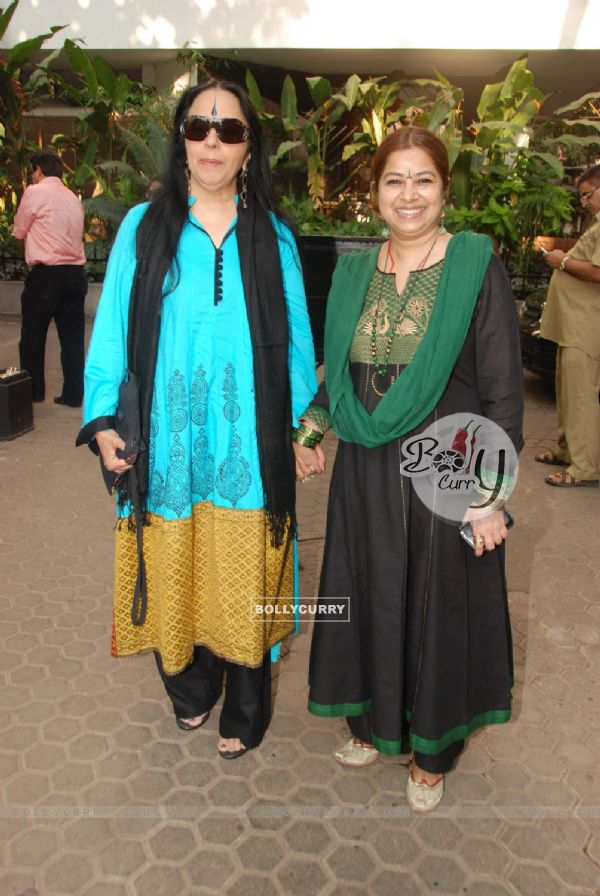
[{"x": 160, "y": 228}]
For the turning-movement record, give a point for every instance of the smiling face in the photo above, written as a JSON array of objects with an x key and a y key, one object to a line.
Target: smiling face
[
  {"x": 410, "y": 194},
  {"x": 213, "y": 165}
]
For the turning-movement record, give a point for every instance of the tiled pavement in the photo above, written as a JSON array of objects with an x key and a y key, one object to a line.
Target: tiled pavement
[{"x": 102, "y": 795}]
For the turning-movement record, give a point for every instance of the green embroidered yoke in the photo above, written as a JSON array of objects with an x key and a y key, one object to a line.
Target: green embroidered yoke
[{"x": 408, "y": 313}]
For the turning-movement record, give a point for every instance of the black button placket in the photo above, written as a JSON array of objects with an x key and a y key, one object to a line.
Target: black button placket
[{"x": 218, "y": 287}]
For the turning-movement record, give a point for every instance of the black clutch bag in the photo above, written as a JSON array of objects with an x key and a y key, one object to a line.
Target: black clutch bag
[{"x": 128, "y": 427}]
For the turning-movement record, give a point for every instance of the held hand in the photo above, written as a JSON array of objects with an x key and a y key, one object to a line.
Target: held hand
[
  {"x": 308, "y": 461},
  {"x": 109, "y": 442},
  {"x": 554, "y": 258},
  {"x": 489, "y": 527}
]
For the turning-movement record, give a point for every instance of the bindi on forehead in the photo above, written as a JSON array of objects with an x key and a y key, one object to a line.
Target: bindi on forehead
[{"x": 214, "y": 111}]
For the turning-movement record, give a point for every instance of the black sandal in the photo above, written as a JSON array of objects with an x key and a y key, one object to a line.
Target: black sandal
[{"x": 185, "y": 725}]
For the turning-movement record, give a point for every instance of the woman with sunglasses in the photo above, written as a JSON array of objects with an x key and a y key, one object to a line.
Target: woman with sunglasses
[{"x": 204, "y": 303}]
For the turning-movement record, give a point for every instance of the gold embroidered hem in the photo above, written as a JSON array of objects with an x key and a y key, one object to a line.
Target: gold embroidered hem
[{"x": 213, "y": 579}]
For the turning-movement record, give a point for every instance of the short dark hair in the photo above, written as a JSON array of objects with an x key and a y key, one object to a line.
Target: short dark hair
[
  {"x": 48, "y": 162},
  {"x": 406, "y": 138},
  {"x": 592, "y": 174}
]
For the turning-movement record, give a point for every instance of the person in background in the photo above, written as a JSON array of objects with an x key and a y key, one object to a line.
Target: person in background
[
  {"x": 204, "y": 302},
  {"x": 418, "y": 328},
  {"x": 50, "y": 220},
  {"x": 571, "y": 318}
]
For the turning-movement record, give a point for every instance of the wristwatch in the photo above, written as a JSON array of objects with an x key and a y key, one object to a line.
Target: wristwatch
[{"x": 563, "y": 264}]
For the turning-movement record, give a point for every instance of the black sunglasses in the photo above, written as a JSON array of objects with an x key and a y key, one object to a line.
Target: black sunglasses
[{"x": 229, "y": 130}]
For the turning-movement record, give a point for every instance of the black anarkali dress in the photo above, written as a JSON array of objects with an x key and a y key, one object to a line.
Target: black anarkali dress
[{"x": 427, "y": 653}]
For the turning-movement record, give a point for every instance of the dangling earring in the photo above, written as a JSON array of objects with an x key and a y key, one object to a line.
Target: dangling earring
[
  {"x": 244, "y": 187},
  {"x": 442, "y": 227},
  {"x": 188, "y": 175}
]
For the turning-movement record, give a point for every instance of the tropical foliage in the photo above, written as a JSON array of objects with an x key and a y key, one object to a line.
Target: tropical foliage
[{"x": 506, "y": 165}]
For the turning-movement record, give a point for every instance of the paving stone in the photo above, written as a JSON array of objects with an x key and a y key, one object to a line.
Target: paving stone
[
  {"x": 68, "y": 873},
  {"x": 487, "y": 888},
  {"x": 150, "y": 786},
  {"x": 163, "y": 755},
  {"x": 260, "y": 852},
  {"x": 394, "y": 883},
  {"x": 508, "y": 775},
  {"x": 198, "y": 774},
  {"x": 438, "y": 833},
  {"x": 120, "y": 764},
  {"x": 8, "y": 766},
  {"x": 252, "y": 885},
  {"x": 526, "y": 841},
  {"x": 267, "y": 815},
  {"x": 269, "y": 783},
  {"x": 89, "y": 834},
  {"x": 60, "y": 730},
  {"x": 319, "y": 742},
  {"x": 72, "y": 777},
  {"x": 103, "y": 720},
  {"x": 159, "y": 881},
  {"x": 441, "y": 874},
  {"x": 354, "y": 788},
  {"x": 88, "y": 746},
  {"x": 16, "y": 883},
  {"x": 533, "y": 880},
  {"x": 482, "y": 856},
  {"x": 279, "y": 752},
  {"x": 33, "y": 847},
  {"x": 395, "y": 845},
  {"x": 172, "y": 842},
  {"x": 132, "y": 737},
  {"x": 299, "y": 877},
  {"x": 25, "y": 789},
  {"x": 106, "y": 888},
  {"x": 307, "y": 837},
  {"x": 575, "y": 869},
  {"x": 311, "y": 796},
  {"x": 218, "y": 830},
  {"x": 121, "y": 858},
  {"x": 352, "y": 862},
  {"x": 228, "y": 794},
  {"x": 208, "y": 868}
]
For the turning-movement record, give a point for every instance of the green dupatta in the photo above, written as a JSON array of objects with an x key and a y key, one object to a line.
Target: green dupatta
[{"x": 422, "y": 382}]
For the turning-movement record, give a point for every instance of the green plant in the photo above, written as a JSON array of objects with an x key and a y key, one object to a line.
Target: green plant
[{"x": 23, "y": 84}]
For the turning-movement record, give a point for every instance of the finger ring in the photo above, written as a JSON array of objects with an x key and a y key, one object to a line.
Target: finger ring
[{"x": 479, "y": 540}]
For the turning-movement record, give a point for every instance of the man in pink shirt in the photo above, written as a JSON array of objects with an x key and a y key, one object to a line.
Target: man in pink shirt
[{"x": 50, "y": 220}]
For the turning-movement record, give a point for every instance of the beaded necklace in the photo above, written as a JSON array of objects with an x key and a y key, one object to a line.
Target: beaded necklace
[{"x": 381, "y": 367}]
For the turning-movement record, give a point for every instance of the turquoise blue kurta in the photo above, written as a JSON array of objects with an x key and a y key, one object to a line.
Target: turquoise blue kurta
[
  {"x": 203, "y": 440},
  {"x": 207, "y": 549}
]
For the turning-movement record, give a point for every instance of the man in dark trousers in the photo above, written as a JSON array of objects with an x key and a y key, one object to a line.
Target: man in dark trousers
[{"x": 50, "y": 220}]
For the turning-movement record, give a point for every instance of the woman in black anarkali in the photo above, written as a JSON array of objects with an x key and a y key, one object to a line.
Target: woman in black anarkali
[{"x": 426, "y": 657}]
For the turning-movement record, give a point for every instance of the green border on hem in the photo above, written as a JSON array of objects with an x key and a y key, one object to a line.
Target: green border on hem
[
  {"x": 329, "y": 711},
  {"x": 431, "y": 747},
  {"x": 388, "y": 747}
]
